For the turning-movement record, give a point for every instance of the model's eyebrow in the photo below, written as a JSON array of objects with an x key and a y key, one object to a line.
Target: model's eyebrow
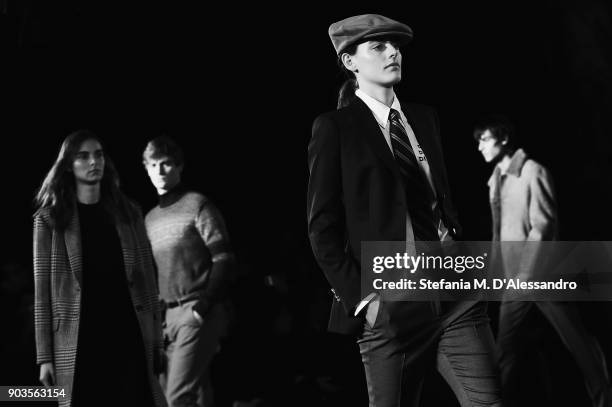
[{"x": 99, "y": 150}]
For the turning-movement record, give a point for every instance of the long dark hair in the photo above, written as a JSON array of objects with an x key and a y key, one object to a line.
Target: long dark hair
[
  {"x": 57, "y": 192},
  {"x": 346, "y": 94}
]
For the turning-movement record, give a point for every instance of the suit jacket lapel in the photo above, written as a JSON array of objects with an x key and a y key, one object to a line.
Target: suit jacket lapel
[
  {"x": 367, "y": 125},
  {"x": 72, "y": 239}
]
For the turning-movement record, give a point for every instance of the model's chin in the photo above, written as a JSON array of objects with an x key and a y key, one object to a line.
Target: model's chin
[
  {"x": 91, "y": 180},
  {"x": 393, "y": 80},
  {"x": 166, "y": 185}
]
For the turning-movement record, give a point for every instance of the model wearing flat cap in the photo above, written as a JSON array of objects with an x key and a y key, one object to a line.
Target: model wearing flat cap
[{"x": 377, "y": 174}]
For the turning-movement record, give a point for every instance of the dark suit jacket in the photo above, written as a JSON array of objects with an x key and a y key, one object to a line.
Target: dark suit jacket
[{"x": 355, "y": 194}]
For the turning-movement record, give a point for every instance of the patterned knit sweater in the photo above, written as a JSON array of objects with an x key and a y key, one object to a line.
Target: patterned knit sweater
[{"x": 188, "y": 237}]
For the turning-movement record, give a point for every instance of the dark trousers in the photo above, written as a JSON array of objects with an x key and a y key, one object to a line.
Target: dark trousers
[
  {"x": 519, "y": 335},
  {"x": 462, "y": 349}
]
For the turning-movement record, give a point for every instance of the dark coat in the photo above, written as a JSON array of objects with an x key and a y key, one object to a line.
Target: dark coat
[{"x": 356, "y": 193}]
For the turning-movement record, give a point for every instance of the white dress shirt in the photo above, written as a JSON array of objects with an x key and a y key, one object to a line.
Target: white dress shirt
[{"x": 380, "y": 111}]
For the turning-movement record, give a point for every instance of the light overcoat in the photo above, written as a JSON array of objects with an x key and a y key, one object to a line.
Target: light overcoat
[
  {"x": 57, "y": 296},
  {"x": 524, "y": 212}
]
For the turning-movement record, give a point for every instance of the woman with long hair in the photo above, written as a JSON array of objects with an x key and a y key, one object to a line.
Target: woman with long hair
[{"x": 97, "y": 319}]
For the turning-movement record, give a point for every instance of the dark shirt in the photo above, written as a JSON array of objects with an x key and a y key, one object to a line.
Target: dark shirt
[
  {"x": 110, "y": 346},
  {"x": 105, "y": 289}
]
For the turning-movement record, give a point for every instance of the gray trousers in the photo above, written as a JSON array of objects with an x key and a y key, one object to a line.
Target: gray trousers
[
  {"x": 190, "y": 347},
  {"x": 462, "y": 350}
]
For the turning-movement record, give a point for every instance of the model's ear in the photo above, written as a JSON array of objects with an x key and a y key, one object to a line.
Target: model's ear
[{"x": 348, "y": 62}]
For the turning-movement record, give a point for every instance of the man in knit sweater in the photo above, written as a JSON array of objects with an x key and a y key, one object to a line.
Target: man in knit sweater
[{"x": 195, "y": 267}]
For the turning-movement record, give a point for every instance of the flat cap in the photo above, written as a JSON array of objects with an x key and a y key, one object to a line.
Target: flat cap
[{"x": 361, "y": 28}]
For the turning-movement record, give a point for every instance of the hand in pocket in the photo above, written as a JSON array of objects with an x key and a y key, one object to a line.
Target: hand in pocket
[{"x": 372, "y": 311}]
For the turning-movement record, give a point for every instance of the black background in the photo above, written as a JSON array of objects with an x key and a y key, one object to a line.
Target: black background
[{"x": 239, "y": 86}]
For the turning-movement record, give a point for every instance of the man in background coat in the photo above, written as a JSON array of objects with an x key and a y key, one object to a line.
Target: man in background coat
[{"x": 524, "y": 209}]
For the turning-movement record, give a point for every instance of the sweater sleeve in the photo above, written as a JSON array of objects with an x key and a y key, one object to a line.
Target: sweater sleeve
[{"x": 212, "y": 229}]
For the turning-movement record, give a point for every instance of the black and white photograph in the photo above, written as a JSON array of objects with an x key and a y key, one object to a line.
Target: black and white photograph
[{"x": 190, "y": 191}]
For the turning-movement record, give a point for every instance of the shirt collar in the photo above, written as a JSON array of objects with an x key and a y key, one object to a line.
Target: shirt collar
[{"x": 380, "y": 110}]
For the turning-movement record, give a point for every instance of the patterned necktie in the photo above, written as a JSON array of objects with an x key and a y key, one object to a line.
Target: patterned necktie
[
  {"x": 418, "y": 193},
  {"x": 401, "y": 143}
]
